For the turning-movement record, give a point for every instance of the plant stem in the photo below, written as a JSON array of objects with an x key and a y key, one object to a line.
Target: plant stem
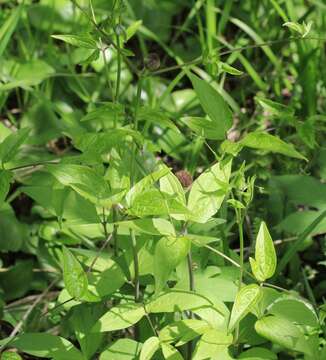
[
  {"x": 136, "y": 264},
  {"x": 117, "y": 91},
  {"x": 132, "y": 181},
  {"x": 240, "y": 227},
  {"x": 190, "y": 272}
]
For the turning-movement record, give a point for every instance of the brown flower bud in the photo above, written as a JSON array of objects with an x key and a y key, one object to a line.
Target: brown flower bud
[
  {"x": 184, "y": 177},
  {"x": 152, "y": 62}
]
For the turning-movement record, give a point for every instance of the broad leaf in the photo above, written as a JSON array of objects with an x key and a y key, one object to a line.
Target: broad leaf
[
  {"x": 258, "y": 353},
  {"x": 213, "y": 104},
  {"x": 264, "y": 264},
  {"x": 156, "y": 203},
  {"x": 122, "y": 349},
  {"x": 119, "y": 317},
  {"x": 244, "y": 300},
  {"x": 176, "y": 300},
  {"x": 213, "y": 345},
  {"x": 208, "y": 191},
  {"x": 283, "y": 332},
  {"x": 46, "y": 346},
  {"x": 11, "y": 144},
  {"x": 74, "y": 277},
  {"x": 204, "y": 127},
  {"x": 5, "y": 178},
  {"x": 170, "y": 353},
  {"x": 169, "y": 252},
  {"x": 85, "y": 181},
  {"x": 154, "y": 226},
  {"x": 182, "y": 331},
  {"x": 267, "y": 142},
  {"x": 297, "y": 310},
  {"x": 149, "y": 348},
  {"x": 145, "y": 183}
]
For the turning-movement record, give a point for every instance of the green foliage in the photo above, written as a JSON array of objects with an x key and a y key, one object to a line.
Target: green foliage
[
  {"x": 144, "y": 146},
  {"x": 264, "y": 264}
]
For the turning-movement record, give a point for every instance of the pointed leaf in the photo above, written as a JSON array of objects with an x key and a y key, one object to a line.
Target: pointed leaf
[
  {"x": 11, "y": 144},
  {"x": 46, "y": 346},
  {"x": 119, "y": 317},
  {"x": 83, "y": 41},
  {"x": 149, "y": 348},
  {"x": 169, "y": 252},
  {"x": 213, "y": 104},
  {"x": 5, "y": 178},
  {"x": 283, "y": 332},
  {"x": 244, "y": 300},
  {"x": 270, "y": 143},
  {"x": 264, "y": 264},
  {"x": 74, "y": 277},
  {"x": 208, "y": 191}
]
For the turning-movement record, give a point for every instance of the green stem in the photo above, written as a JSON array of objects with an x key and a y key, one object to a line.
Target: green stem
[
  {"x": 136, "y": 264},
  {"x": 240, "y": 227},
  {"x": 117, "y": 91},
  {"x": 132, "y": 181}
]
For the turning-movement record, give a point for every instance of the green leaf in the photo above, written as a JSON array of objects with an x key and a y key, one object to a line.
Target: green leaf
[
  {"x": 119, "y": 317},
  {"x": 46, "y": 346},
  {"x": 10, "y": 355},
  {"x": 154, "y": 226},
  {"x": 170, "y": 353},
  {"x": 106, "y": 113},
  {"x": 204, "y": 127},
  {"x": 274, "y": 107},
  {"x": 82, "y": 319},
  {"x": 157, "y": 117},
  {"x": 283, "y": 332},
  {"x": 264, "y": 264},
  {"x": 229, "y": 69},
  {"x": 267, "y": 142},
  {"x": 83, "y": 41},
  {"x": 133, "y": 28},
  {"x": 245, "y": 299},
  {"x": 29, "y": 73},
  {"x": 177, "y": 300},
  {"x": 149, "y": 348},
  {"x": 258, "y": 353},
  {"x": 8, "y": 27},
  {"x": 208, "y": 191},
  {"x": 169, "y": 252},
  {"x": 85, "y": 181},
  {"x": 16, "y": 281},
  {"x": 5, "y": 178},
  {"x": 10, "y": 145},
  {"x": 122, "y": 349},
  {"x": 74, "y": 277},
  {"x": 102, "y": 143},
  {"x": 296, "y": 310},
  {"x": 213, "y": 104},
  {"x": 156, "y": 203},
  {"x": 144, "y": 184},
  {"x": 12, "y": 232},
  {"x": 182, "y": 331},
  {"x": 303, "y": 29},
  {"x": 213, "y": 345}
]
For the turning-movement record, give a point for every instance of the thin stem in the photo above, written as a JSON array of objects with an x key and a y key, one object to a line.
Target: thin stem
[
  {"x": 27, "y": 313},
  {"x": 118, "y": 69},
  {"x": 132, "y": 181},
  {"x": 240, "y": 227},
  {"x": 190, "y": 272},
  {"x": 136, "y": 264}
]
